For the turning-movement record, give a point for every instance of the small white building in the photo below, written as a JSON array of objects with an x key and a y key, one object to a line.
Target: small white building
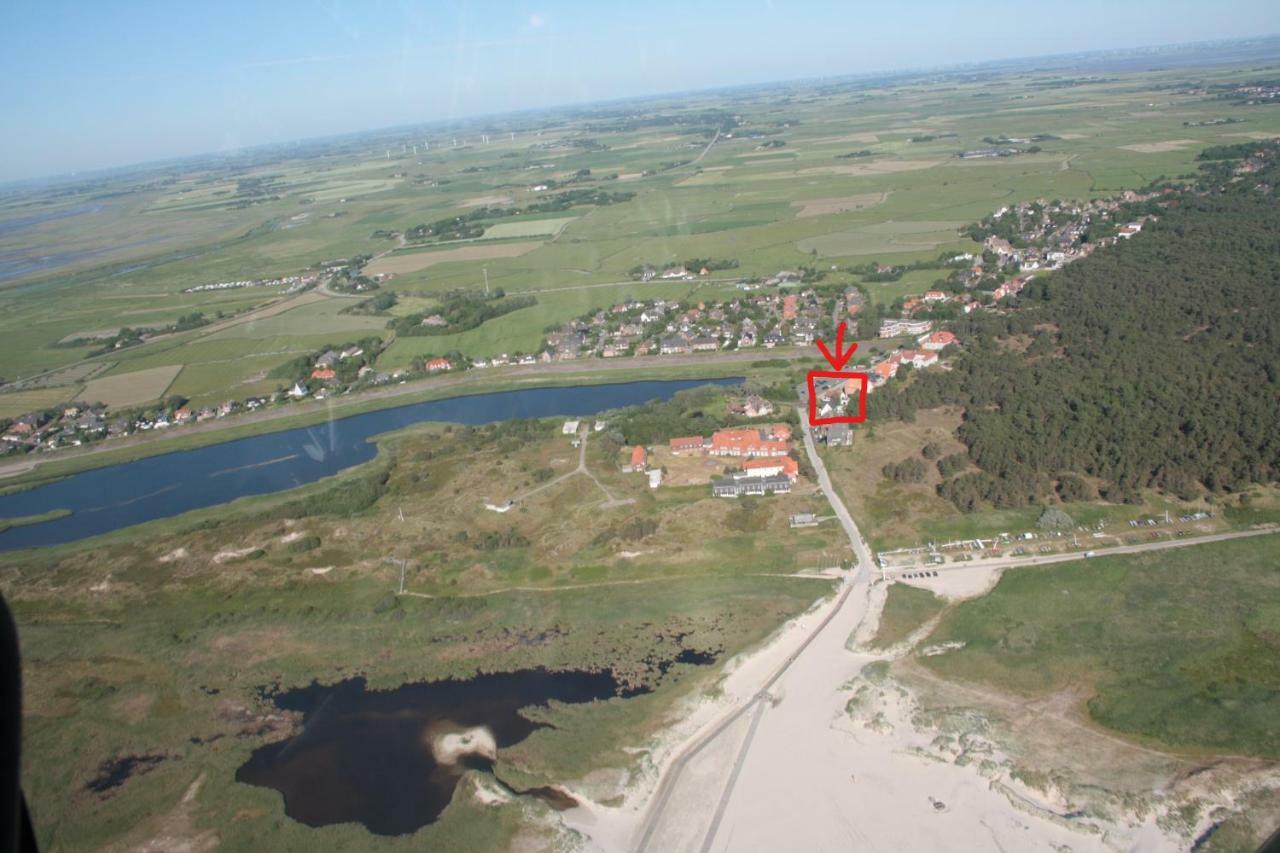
[
  {"x": 570, "y": 427},
  {"x": 655, "y": 478}
]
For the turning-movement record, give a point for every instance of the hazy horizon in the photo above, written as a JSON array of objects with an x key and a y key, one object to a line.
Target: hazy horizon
[{"x": 153, "y": 84}]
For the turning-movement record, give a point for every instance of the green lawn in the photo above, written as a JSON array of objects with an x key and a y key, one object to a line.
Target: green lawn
[{"x": 906, "y": 610}]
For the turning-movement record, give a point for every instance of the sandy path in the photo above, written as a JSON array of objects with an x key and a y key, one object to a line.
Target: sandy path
[{"x": 842, "y": 789}]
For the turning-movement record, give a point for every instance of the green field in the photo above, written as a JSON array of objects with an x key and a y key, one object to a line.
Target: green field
[
  {"x": 530, "y": 228},
  {"x": 132, "y": 388},
  {"x": 17, "y": 403},
  {"x": 906, "y": 610},
  {"x": 1178, "y": 648}
]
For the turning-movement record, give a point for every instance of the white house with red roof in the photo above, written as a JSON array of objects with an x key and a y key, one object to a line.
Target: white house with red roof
[
  {"x": 783, "y": 465},
  {"x": 686, "y": 445},
  {"x": 936, "y": 341}
]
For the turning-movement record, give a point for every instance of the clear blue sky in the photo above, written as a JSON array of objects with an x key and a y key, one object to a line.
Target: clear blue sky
[{"x": 95, "y": 84}]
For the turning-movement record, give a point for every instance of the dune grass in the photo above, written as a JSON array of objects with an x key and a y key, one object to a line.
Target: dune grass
[{"x": 1180, "y": 648}]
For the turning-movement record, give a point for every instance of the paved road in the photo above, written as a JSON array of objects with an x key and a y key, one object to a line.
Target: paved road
[
  {"x": 861, "y": 552},
  {"x": 713, "y": 141}
]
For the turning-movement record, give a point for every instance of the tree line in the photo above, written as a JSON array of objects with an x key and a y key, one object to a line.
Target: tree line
[{"x": 460, "y": 310}]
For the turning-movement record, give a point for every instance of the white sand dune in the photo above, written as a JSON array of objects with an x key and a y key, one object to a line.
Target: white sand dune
[{"x": 829, "y": 761}]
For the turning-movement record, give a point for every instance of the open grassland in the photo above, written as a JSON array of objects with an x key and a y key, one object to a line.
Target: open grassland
[
  {"x": 906, "y": 610},
  {"x": 321, "y": 317},
  {"x": 18, "y": 403},
  {"x": 1176, "y": 647},
  {"x": 842, "y": 204},
  {"x": 407, "y": 262},
  {"x": 884, "y": 238},
  {"x": 121, "y": 390},
  {"x": 527, "y": 228},
  {"x": 157, "y": 642}
]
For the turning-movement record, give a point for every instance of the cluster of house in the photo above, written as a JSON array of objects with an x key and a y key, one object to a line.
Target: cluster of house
[
  {"x": 73, "y": 427},
  {"x": 325, "y": 372},
  {"x": 77, "y": 425},
  {"x": 836, "y": 396},
  {"x": 666, "y": 327},
  {"x": 927, "y": 356},
  {"x": 291, "y": 283},
  {"x": 325, "y": 366},
  {"x": 1052, "y": 234}
]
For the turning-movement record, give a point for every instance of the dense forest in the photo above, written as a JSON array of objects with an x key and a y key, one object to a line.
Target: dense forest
[{"x": 1154, "y": 363}]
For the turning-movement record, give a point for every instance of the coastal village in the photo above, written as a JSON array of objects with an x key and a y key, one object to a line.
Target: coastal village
[{"x": 787, "y": 309}]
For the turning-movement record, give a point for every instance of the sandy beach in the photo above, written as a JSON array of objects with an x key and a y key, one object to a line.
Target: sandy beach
[{"x": 839, "y": 756}]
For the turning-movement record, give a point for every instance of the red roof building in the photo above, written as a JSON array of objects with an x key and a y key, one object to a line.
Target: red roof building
[
  {"x": 323, "y": 373},
  {"x": 687, "y": 444},
  {"x": 746, "y": 442},
  {"x": 437, "y": 364},
  {"x": 638, "y": 458},
  {"x": 938, "y": 340},
  {"x": 772, "y": 467}
]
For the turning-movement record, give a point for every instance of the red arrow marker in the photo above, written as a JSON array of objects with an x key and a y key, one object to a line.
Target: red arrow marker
[{"x": 842, "y": 356}]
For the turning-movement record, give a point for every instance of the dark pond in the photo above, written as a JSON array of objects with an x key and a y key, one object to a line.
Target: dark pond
[
  {"x": 365, "y": 756},
  {"x": 106, "y": 499},
  {"x": 115, "y": 772}
]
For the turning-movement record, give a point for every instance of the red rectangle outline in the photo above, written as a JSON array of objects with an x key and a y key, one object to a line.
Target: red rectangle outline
[{"x": 863, "y": 380}]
